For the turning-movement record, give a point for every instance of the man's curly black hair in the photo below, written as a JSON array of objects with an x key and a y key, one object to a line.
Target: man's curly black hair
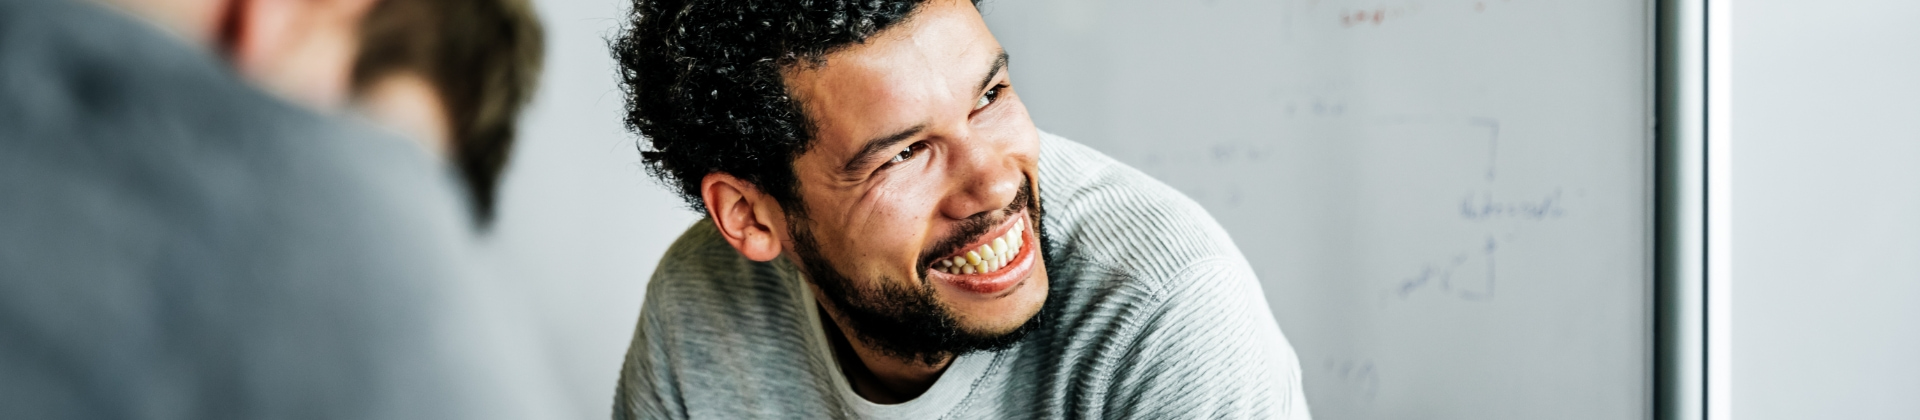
[{"x": 704, "y": 86}]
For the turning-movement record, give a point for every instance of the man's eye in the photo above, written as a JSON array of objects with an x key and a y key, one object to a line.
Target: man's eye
[
  {"x": 988, "y": 98},
  {"x": 905, "y": 155}
]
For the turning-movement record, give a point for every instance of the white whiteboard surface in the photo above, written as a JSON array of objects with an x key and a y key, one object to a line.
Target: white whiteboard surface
[{"x": 1448, "y": 202}]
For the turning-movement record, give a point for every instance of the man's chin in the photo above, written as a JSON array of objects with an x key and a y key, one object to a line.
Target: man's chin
[{"x": 1003, "y": 315}]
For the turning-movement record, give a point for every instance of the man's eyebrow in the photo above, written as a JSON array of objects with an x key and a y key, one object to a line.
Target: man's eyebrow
[
  {"x": 999, "y": 63},
  {"x": 872, "y": 149}
]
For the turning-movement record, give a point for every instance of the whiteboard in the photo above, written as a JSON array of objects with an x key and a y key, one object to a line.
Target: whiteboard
[{"x": 1448, "y": 202}]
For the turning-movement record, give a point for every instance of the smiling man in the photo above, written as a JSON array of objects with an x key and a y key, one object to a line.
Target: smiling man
[{"x": 889, "y": 236}]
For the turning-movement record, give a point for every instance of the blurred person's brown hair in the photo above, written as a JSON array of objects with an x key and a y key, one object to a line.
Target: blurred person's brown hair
[{"x": 482, "y": 57}]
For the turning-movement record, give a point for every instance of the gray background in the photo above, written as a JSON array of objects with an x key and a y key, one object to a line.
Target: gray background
[
  {"x": 1363, "y": 165},
  {"x": 581, "y": 224},
  {"x": 1826, "y": 216}
]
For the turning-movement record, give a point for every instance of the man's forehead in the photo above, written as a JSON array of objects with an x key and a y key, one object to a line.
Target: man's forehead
[{"x": 900, "y": 78}]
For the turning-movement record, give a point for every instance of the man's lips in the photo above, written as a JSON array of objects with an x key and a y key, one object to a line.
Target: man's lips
[{"x": 993, "y": 263}]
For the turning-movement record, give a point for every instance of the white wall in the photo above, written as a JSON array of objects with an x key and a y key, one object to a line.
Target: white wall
[
  {"x": 1826, "y": 215},
  {"x": 581, "y": 223}
]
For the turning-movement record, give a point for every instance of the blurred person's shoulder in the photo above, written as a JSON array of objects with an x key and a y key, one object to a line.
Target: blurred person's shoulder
[
  {"x": 89, "y": 91},
  {"x": 99, "y": 101},
  {"x": 108, "y": 121},
  {"x": 182, "y": 239}
]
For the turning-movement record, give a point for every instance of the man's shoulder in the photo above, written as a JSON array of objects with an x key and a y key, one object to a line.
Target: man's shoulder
[
  {"x": 1155, "y": 280},
  {"x": 701, "y": 261},
  {"x": 1124, "y": 248},
  {"x": 710, "y": 318},
  {"x": 702, "y": 277},
  {"x": 1104, "y": 215}
]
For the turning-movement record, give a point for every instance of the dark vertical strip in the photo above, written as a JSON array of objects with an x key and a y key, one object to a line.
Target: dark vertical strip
[{"x": 1679, "y": 330}]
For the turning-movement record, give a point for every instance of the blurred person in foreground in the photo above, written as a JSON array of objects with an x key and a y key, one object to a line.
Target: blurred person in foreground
[
  {"x": 453, "y": 75},
  {"x": 889, "y": 236},
  {"x": 188, "y": 231}
]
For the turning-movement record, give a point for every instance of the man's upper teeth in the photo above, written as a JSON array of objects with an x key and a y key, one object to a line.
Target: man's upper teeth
[{"x": 989, "y": 257}]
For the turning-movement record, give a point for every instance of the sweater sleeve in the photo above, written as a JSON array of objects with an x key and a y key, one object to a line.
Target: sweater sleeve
[
  {"x": 648, "y": 388},
  {"x": 1210, "y": 350}
]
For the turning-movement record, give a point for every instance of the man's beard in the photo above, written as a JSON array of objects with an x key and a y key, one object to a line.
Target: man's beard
[{"x": 910, "y": 323}]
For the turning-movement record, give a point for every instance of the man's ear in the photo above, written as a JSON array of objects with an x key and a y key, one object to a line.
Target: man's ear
[{"x": 750, "y": 219}]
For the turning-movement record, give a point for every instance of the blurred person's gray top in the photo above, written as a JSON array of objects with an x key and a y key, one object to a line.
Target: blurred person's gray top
[
  {"x": 1153, "y": 314},
  {"x": 175, "y": 244}
]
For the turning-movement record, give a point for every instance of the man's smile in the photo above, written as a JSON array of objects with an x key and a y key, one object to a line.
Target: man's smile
[
  {"x": 989, "y": 253},
  {"x": 991, "y": 264}
]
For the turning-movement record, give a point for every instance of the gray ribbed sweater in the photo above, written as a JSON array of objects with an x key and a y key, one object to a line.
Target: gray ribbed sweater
[{"x": 1156, "y": 316}]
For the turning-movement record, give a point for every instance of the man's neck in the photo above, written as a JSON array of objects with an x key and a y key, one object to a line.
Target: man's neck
[{"x": 874, "y": 375}]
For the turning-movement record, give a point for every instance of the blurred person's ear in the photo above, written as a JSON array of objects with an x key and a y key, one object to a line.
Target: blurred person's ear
[
  {"x": 302, "y": 50},
  {"x": 408, "y": 102}
]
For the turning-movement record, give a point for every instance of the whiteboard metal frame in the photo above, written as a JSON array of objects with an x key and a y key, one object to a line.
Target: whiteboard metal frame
[{"x": 1681, "y": 224}]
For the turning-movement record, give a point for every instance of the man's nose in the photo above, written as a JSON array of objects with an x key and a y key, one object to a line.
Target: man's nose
[{"x": 985, "y": 176}]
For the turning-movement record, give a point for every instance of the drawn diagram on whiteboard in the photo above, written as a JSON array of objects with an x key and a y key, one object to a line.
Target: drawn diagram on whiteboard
[{"x": 1471, "y": 273}]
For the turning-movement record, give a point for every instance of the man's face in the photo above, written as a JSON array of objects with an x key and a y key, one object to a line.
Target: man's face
[{"x": 922, "y": 154}]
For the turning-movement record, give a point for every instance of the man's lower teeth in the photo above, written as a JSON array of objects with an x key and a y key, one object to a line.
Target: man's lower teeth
[{"x": 987, "y": 258}]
